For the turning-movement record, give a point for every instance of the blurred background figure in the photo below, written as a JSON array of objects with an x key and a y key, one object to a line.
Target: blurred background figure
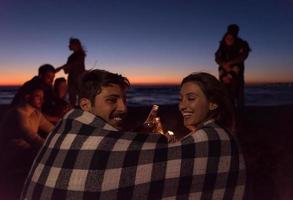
[
  {"x": 74, "y": 67},
  {"x": 23, "y": 131},
  {"x": 230, "y": 57},
  {"x": 60, "y": 88},
  {"x": 60, "y": 105},
  {"x": 44, "y": 79}
]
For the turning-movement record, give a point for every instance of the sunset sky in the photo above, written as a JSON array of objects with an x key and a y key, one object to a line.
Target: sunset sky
[{"x": 147, "y": 41}]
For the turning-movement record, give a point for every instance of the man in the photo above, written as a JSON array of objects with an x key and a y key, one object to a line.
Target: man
[
  {"x": 21, "y": 125},
  {"x": 20, "y": 140},
  {"x": 88, "y": 157},
  {"x": 230, "y": 57}
]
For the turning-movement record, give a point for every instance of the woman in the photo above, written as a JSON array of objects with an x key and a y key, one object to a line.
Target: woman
[
  {"x": 203, "y": 99},
  {"x": 59, "y": 106},
  {"x": 208, "y": 113},
  {"x": 74, "y": 67},
  {"x": 60, "y": 88}
]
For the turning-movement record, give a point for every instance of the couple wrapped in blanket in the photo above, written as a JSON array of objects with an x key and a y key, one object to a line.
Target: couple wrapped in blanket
[{"x": 87, "y": 157}]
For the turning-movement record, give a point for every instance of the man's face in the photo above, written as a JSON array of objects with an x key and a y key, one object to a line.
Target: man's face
[
  {"x": 48, "y": 78},
  {"x": 110, "y": 105},
  {"x": 229, "y": 40},
  {"x": 36, "y": 99}
]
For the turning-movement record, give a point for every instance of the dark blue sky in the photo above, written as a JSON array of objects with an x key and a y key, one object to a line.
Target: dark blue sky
[{"x": 148, "y": 41}]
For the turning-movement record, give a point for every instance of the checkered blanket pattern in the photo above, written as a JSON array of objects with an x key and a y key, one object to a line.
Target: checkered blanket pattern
[{"x": 86, "y": 158}]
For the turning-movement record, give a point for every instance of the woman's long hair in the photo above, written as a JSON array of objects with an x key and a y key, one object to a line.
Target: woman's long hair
[{"x": 77, "y": 42}]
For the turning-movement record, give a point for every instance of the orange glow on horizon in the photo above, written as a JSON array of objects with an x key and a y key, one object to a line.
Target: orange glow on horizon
[
  {"x": 149, "y": 80},
  {"x": 7, "y": 81},
  {"x": 13, "y": 77}
]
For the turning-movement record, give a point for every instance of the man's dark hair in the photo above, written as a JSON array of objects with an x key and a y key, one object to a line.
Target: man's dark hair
[
  {"x": 43, "y": 69},
  {"x": 92, "y": 81},
  {"x": 233, "y": 29}
]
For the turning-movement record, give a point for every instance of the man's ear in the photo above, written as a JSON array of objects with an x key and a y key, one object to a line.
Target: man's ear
[
  {"x": 213, "y": 106},
  {"x": 85, "y": 104}
]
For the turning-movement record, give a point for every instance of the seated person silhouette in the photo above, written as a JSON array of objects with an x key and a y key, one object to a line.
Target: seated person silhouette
[
  {"x": 20, "y": 127},
  {"x": 21, "y": 140},
  {"x": 59, "y": 106}
]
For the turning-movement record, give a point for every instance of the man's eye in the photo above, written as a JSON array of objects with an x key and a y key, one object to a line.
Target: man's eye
[
  {"x": 111, "y": 100},
  {"x": 191, "y": 98}
]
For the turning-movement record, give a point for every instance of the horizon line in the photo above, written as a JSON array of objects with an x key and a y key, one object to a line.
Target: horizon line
[{"x": 175, "y": 84}]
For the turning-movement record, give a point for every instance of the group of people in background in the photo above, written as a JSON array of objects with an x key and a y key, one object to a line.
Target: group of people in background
[
  {"x": 88, "y": 156},
  {"x": 36, "y": 107}
]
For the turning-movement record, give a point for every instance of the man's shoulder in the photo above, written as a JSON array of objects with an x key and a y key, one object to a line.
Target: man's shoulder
[{"x": 34, "y": 80}]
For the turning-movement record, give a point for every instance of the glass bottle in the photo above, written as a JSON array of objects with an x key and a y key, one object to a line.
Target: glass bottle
[
  {"x": 158, "y": 126},
  {"x": 150, "y": 122}
]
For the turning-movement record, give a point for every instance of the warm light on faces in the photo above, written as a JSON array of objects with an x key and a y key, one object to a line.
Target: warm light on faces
[
  {"x": 36, "y": 99},
  {"x": 110, "y": 105},
  {"x": 193, "y": 105}
]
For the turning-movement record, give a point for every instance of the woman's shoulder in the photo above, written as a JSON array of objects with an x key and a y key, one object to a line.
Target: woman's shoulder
[{"x": 209, "y": 132}]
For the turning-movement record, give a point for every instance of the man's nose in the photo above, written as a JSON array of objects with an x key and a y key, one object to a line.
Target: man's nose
[{"x": 122, "y": 105}]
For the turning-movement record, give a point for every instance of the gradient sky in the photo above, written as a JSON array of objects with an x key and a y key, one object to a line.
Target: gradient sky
[{"x": 147, "y": 41}]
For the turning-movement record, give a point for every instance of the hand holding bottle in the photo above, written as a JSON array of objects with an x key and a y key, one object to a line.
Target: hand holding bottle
[{"x": 150, "y": 122}]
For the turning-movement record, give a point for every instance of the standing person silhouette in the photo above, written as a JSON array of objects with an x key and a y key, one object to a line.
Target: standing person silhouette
[
  {"x": 230, "y": 57},
  {"x": 74, "y": 67}
]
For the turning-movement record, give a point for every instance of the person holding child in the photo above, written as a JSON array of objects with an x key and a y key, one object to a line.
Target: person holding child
[{"x": 230, "y": 57}]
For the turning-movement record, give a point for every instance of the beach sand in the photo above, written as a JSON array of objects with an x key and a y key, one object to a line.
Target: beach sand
[{"x": 266, "y": 139}]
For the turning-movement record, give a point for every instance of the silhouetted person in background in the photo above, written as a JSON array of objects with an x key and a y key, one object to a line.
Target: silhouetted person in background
[
  {"x": 74, "y": 67},
  {"x": 230, "y": 57}
]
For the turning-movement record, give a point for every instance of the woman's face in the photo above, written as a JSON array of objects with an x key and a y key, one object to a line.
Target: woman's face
[
  {"x": 62, "y": 89},
  {"x": 73, "y": 46},
  {"x": 193, "y": 105}
]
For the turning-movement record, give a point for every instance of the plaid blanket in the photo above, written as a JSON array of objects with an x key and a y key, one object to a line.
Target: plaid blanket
[{"x": 86, "y": 158}]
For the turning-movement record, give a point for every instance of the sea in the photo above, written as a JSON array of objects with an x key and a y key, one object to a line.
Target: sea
[{"x": 145, "y": 95}]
